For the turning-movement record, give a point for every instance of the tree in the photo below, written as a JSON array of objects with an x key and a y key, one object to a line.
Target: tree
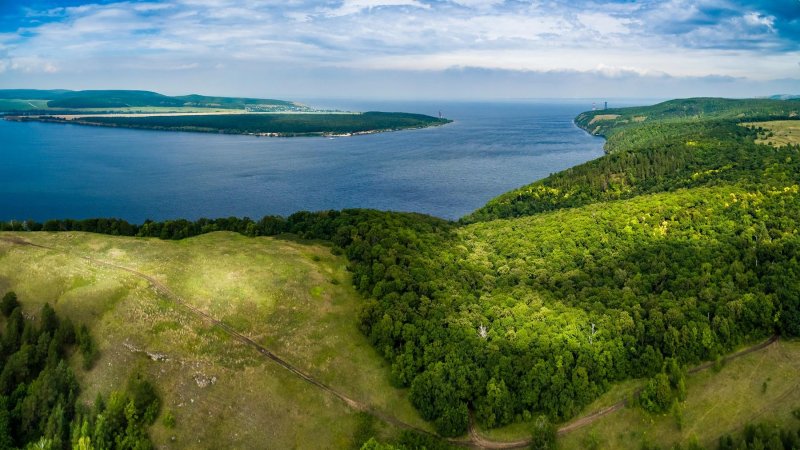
[
  {"x": 49, "y": 319},
  {"x": 144, "y": 398},
  {"x": 543, "y": 435},
  {"x": 9, "y": 303},
  {"x": 373, "y": 444},
  {"x": 86, "y": 346},
  {"x": 656, "y": 396},
  {"x": 495, "y": 409},
  {"x": 6, "y": 440}
]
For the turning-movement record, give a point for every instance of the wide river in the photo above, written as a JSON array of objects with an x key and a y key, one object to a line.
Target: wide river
[{"x": 72, "y": 171}]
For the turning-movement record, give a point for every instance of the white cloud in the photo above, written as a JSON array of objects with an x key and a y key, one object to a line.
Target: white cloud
[
  {"x": 756, "y": 19},
  {"x": 478, "y": 4},
  {"x": 356, "y": 6},
  {"x": 32, "y": 64},
  {"x": 593, "y": 37},
  {"x": 150, "y": 7},
  {"x": 604, "y": 23},
  {"x": 188, "y": 66}
]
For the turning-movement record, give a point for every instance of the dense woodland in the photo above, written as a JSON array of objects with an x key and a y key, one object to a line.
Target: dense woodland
[
  {"x": 281, "y": 124},
  {"x": 678, "y": 246},
  {"x": 672, "y": 145}
]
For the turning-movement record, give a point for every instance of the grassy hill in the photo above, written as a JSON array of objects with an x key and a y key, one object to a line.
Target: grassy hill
[
  {"x": 294, "y": 298},
  {"x": 230, "y": 102},
  {"x": 111, "y": 99},
  {"x": 61, "y": 100},
  {"x": 32, "y": 94}
]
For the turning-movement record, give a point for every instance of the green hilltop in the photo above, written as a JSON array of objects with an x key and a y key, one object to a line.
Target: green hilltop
[{"x": 61, "y": 99}]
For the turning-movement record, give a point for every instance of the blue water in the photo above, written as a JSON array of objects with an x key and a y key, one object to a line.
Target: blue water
[{"x": 59, "y": 171}]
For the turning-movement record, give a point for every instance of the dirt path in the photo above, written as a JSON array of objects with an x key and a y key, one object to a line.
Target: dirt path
[{"x": 475, "y": 440}]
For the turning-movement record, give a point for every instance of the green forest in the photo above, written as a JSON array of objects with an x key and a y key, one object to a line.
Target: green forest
[
  {"x": 39, "y": 390},
  {"x": 672, "y": 145},
  {"x": 280, "y": 124},
  {"x": 678, "y": 246}
]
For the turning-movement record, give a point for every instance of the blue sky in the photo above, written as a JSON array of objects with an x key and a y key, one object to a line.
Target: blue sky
[{"x": 397, "y": 49}]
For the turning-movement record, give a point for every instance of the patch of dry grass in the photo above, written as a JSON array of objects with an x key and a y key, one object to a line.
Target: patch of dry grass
[
  {"x": 601, "y": 117},
  {"x": 778, "y": 133}
]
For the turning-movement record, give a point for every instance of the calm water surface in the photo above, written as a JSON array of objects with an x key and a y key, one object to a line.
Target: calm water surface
[{"x": 58, "y": 171}]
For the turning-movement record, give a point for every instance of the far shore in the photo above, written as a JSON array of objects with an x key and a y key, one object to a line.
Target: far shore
[
  {"x": 85, "y": 119},
  {"x": 171, "y": 114}
]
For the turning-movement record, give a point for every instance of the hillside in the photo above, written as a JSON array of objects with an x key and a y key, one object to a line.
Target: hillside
[
  {"x": 60, "y": 100},
  {"x": 291, "y": 297},
  {"x": 677, "y": 247},
  {"x": 668, "y": 146}
]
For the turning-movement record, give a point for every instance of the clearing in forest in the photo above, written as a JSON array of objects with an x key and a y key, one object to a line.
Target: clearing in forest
[{"x": 777, "y": 133}]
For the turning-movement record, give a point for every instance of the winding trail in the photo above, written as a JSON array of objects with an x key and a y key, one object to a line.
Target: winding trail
[{"x": 475, "y": 441}]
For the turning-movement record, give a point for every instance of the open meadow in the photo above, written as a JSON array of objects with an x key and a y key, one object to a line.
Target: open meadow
[
  {"x": 778, "y": 133},
  {"x": 294, "y": 298}
]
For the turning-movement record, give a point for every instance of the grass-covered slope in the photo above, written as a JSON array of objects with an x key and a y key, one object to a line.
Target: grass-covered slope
[
  {"x": 675, "y": 144},
  {"x": 111, "y": 99},
  {"x": 31, "y": 94},
  {"x": 293, "y": 298},
  {"x": 759, "y": 387},
  {"x": 279, "y": 124},
  {"x": 60, "y": 100},
  {"x": 230, "y": 102},
  {"x": 604, "y": 122}
]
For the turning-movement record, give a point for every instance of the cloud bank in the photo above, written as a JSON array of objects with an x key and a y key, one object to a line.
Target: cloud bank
[{"x": 347, "y": 47}]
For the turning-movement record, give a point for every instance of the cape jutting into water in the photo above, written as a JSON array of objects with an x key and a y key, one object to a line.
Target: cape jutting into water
[{"x": 72, "y": 171}]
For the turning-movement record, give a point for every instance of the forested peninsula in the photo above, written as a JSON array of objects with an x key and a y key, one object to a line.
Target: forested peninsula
[
  {"x": 199, "y": 113},
  {"x": 679, "y": 246}
]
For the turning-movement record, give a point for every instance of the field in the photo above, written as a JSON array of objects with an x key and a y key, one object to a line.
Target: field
[
  {"x": 294, "y": 298},
  {"x": 778, "y": 133}
]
